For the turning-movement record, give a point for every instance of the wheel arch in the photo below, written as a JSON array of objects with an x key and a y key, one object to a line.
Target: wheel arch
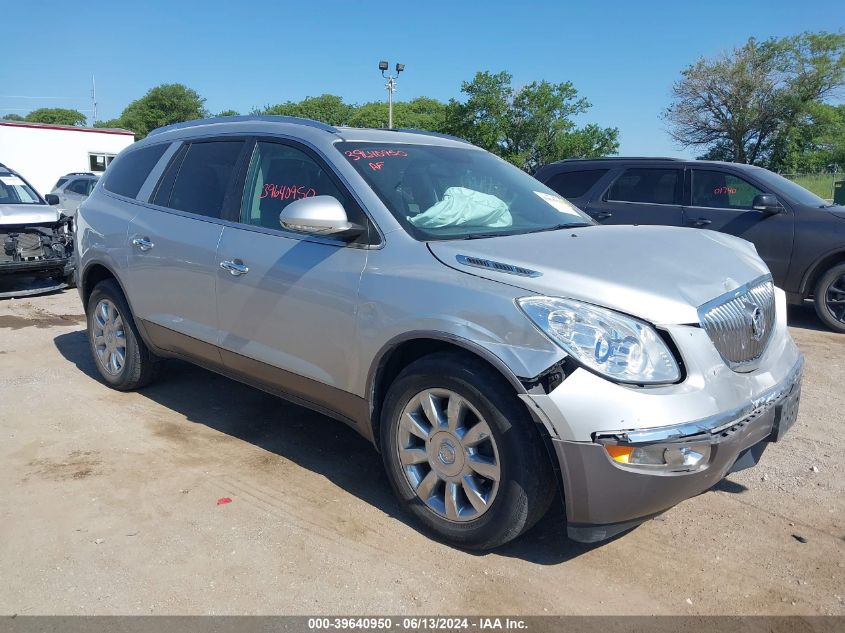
[
  {"x": 93, "y": 274},
  {"x": 822, "y": 265},
  {"x": 402, "y": 350}
]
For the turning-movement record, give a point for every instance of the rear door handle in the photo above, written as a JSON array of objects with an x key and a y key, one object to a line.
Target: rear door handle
[
  {"x": 142, "y": 243},
  {"x": 701, "y": 222},
  {"x": 236, "y": 267}
]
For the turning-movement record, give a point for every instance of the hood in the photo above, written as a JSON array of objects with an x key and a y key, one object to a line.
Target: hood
[
  {"x": 14, "y": 214},
  {"x": 658, "y": 273}
]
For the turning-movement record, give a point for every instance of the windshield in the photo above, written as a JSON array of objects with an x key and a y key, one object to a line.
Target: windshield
[
  {"x": 793, "y": 190},
  {"x": 13, "y": 190},
  {"x": 447, "y": 193}
]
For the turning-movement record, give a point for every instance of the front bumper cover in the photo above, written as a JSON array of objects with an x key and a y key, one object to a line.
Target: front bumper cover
[{"x": 604, "y": 498}]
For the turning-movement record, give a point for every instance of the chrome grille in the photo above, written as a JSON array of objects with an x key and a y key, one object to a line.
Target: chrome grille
[{"x": 740, "y": 323}]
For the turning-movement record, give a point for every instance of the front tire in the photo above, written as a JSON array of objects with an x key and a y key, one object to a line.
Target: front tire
[
  {"x": 829, "y": 298},
  {"x": 462, "y": 453},
  {"x": 122, "y": 359}
]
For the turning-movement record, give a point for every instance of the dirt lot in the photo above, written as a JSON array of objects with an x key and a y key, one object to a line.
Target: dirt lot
[{"x": 110, "y": 506}]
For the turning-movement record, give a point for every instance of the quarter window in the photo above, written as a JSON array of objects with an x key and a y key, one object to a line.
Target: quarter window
[
  {"x": 720, "y": 190},
  {"x": 648, "y": 185},
  {"x": 202, "y": 178},
  {"x": 129, "y": 173},
  {"x": 280, "y": 174},
  {"x": 574, "y": 184}
]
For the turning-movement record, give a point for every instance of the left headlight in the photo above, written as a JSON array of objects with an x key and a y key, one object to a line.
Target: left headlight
[{"x": 615, "y": 345}]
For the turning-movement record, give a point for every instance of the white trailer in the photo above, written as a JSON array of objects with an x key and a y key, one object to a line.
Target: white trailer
[{"x": 43, "y": 153}]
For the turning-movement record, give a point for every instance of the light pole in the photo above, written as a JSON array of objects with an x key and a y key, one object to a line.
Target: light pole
[{"x": 391, "y": 86}]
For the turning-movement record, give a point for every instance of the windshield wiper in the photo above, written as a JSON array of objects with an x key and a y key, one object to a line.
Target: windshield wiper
[{"x": 558, "y": 227}]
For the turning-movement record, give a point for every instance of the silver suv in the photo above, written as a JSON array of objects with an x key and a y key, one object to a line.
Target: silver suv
[{"x": 495, "y": 345}]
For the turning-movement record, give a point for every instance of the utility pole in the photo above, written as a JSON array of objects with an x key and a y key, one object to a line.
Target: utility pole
[
  {"x": 94, "y": 99},
  {"x": 391, "y": 86}
]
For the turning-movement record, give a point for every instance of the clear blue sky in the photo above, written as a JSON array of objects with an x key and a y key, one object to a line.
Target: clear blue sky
[{"x": 622, "y": 56}]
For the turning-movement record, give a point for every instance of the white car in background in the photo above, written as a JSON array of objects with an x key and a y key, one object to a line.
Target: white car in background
[{"x": 71, "y": 190}]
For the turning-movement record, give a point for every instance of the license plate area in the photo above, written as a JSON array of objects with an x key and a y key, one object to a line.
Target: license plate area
[{"x": 785, "y": 414}]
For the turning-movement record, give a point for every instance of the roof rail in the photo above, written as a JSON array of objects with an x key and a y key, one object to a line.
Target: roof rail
[
  {"x": 270, "y": 118},
  {"x": 411, "y": 130},
  {"x": 614, "y": 158}
]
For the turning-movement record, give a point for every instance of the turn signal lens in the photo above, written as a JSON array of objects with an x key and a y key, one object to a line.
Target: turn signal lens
[
  {"x": 671, "y": 457},
  {"x": 619, "y": 453}
]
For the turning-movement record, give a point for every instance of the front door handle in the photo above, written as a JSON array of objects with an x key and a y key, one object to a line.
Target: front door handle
[
  {"x": 701, "y": 222},
  {"x": 142, "y": 243},
  {"x": 236, "y": 267},
  {"x": 603, "y": 215}
]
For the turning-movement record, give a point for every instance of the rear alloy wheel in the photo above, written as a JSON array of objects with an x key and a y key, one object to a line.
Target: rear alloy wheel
[
  {"x": 830, "y": 298},
  {"x": 463, "y": 453},
  {"x": 121, "y": 357}
]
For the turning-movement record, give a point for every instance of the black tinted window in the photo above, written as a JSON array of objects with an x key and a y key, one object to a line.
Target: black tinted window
[
  {"x": 128, "y": 174},
  {"x": 655, "y": 186},
  {"x": 574, "y": 184},
  {"x": 203, "y": 178},
  {"x": 720, "y": 190},
  {"x": 78, "y": 186}
]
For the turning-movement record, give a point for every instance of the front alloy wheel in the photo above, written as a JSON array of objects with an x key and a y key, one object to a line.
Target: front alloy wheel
[
  {"x": 462, "y": 452},
  {"x": 448, "y": 455}
]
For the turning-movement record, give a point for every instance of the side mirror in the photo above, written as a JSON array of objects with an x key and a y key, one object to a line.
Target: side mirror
[
  {"x": 767, "y": 203},
  {"x": 52, "y": 199},
  {"x": 319, "y": 215}
]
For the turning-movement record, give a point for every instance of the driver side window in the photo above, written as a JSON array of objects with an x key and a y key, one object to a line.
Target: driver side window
[
  {"x": 721, "y": 190},
  {"x": 280, "y": 174}
]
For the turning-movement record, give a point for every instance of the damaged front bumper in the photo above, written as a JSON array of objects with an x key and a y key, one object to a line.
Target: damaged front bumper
[
  {"x": 37, "y": 250},
  {"x": 666, "y": 444}
]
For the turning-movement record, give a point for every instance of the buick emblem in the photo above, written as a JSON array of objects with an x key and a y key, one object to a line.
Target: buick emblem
[{"x": 756, "y": 320}]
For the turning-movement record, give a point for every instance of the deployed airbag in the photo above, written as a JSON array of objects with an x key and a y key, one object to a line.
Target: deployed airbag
[{"x": 461, "y": 207}]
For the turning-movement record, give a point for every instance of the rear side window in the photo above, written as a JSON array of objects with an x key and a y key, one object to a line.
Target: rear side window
[
  {"x": 201, "y": 178},
  {"x": 128, "y": 174},
  {"x": 648, "y": 185},
  {"x": 574, "y": 184}
]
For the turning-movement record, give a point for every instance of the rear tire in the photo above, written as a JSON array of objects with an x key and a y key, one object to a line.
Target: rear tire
[
  {"x": 121, "y": 357},
  {"x": 829, "y": 298},
  {"x": 478, "y": 477}
]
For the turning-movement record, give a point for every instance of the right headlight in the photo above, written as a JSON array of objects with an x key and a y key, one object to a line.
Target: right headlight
[{"x": 615, "y": 345}]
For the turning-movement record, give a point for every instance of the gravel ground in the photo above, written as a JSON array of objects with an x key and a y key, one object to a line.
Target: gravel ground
[{"x": 111, "y": 505}]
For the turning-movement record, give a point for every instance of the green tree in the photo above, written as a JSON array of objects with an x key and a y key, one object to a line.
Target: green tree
[
  {"x": 814, "y": 143},
  {"x": 112, "y": 123},
  {"x": 528, "y": 126},
  {"x": 13, "y": 117},
  {"x": 56, "y": 116},
  {"x": 162, "y": 105},
  {"x": 327, "y": 108},
  {"x": 228, "y": 113},
  {"x": 737, "y": 106},
  {"x": 422, "y": 113}
]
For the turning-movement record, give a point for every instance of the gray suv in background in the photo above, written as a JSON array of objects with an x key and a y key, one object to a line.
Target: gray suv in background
[
  {"x": 488, "y": 338},
  {"x": 800, "y": 236}
]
